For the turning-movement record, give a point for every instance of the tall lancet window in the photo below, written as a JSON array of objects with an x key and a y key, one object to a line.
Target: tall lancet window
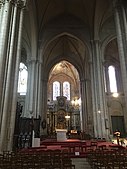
[
  {"x": 22, "y": 81},
  {"x": 66, "y": 90},
  {"x": 56, "y": 89},
  {"x": 112, "y": 79}
]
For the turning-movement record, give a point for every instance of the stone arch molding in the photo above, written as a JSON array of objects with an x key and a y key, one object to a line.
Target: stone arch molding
[
  {"x": 105, "y": 43},
  {"x": 66, "y": 46}
]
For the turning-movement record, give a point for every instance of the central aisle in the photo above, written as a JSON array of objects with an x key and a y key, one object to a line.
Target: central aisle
[{"x": 80, "y": 163}]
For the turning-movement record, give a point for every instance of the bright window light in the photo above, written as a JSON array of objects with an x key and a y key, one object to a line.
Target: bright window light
[
  {"x": 22, "y": 81},
  {"x": 66, "y": 90},
  {"x": 112, "y": 79},
  {"x": 56, "y": 89}
]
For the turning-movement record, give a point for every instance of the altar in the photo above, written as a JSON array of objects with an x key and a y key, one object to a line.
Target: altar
[{"x": 61, "y": 134}]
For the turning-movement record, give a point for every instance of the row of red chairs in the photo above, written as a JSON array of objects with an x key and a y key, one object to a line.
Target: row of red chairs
[
  {"x": 50, "y": 159},
  {"x": 75, "y": 149},
  {"x": 108, "y": 158}
]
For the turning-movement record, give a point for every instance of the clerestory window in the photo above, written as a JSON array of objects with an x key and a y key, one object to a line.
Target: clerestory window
[
  {"x": 22, "y": 81},
  {"x": 112, "y": 79}
]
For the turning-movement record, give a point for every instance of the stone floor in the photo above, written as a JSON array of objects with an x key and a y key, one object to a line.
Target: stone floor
[{"x": 80, "y": 163}]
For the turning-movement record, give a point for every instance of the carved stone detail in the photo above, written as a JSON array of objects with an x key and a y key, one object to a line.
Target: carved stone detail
[{"x": 20, "y": 3}]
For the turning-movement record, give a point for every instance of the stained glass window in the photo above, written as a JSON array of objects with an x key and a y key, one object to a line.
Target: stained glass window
[
  {"x": 66, "y": 90},
  {"x": 56, "y": 89}
]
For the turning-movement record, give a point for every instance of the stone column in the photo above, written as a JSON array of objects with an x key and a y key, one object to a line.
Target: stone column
[
  {"x": 36, "y": 89},
  {"x": 1, "y": 10},
  {"x": 26, "y": 111},
  {"x": 31, "y": 87},
  {"x": 4, "y": 35},
  {"x": 122, "y": 49},
  {"x": 107, "y": 79},
  {"x": 8, "y": 85},
  {"x": 7, "y": 91},
  {"x": 96, "y": 104},
  {"x": 94, "y": 100},
  {"x": 84, "y": 105},
  {"x": 104, "y": 120},
  {"x": 39, "y": 91},
  {"x": 98, "y": 93},
  {"x": 124, "y": 21},
  {"x": 44, "y": 103},
  {"x": 14, "y": 98}
]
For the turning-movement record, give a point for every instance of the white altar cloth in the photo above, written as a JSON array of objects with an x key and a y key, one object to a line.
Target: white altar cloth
[{"x": 61, "y": 134}]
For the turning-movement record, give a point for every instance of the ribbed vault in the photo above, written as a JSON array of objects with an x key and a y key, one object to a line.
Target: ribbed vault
[{"x": 67, "y": 48}]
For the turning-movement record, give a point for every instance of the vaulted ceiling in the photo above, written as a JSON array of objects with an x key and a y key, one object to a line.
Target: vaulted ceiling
[
  {"x": 59, "y": 30},
  {"x": 87, "y": 11},
  {"x": 82, "y": 18}
]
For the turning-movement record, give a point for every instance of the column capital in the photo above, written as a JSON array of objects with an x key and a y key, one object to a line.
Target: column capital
[
  {"x": 20, "y": 3},
  {"x": 5, "y": 1},
  {"x": 95, "y": 42},
  {"x": 2, "y": 2},
  {"x": 31, "y": 60}
]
